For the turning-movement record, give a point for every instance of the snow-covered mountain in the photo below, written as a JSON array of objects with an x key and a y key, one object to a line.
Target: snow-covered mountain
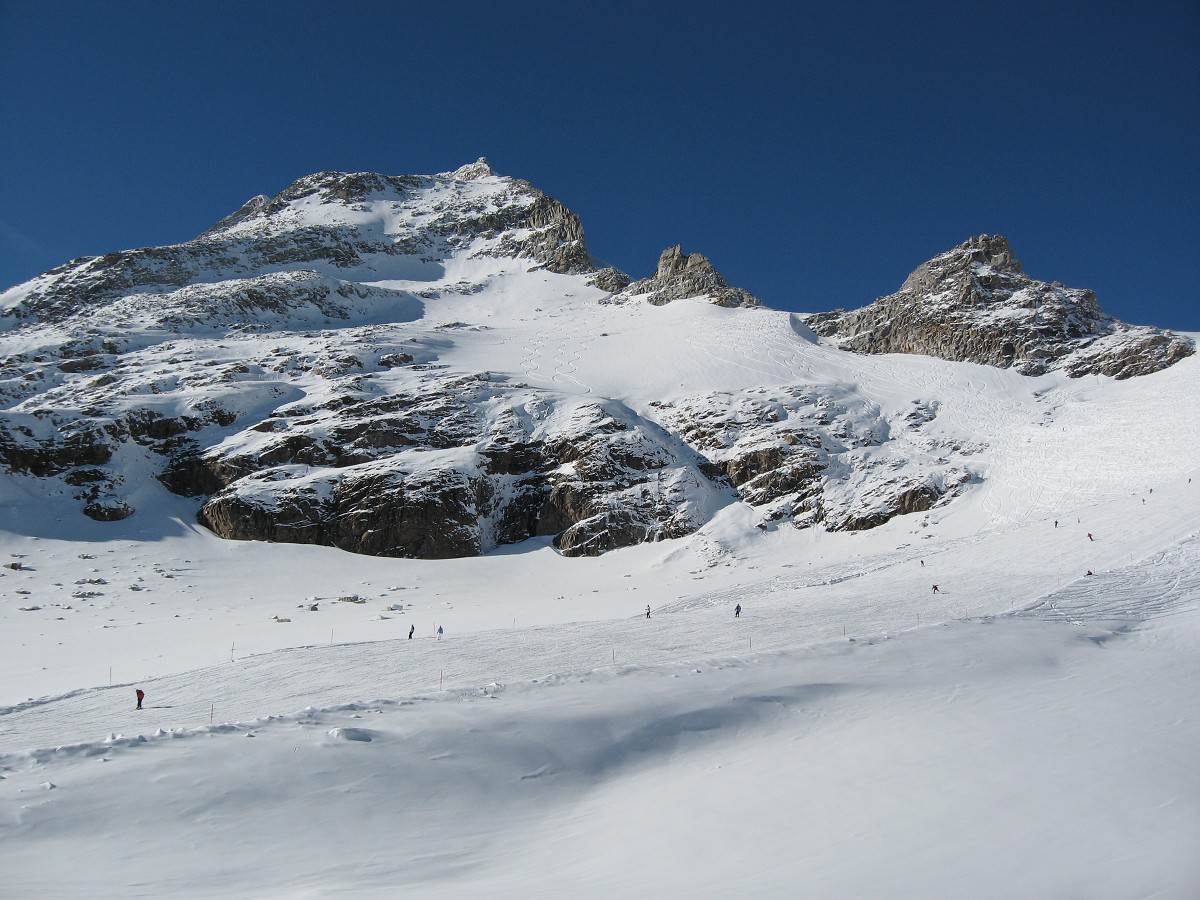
[
  {"x": 435, "y": 366},
  {"x": 974, "y": 303},
  {"x": 993, "y": 695}
]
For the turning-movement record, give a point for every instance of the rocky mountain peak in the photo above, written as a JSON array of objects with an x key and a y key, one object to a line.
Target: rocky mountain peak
[
  {"x": 681, "y": 275},
  {"x": 673, "y": 262},
  {"x": 327, "y": 238},
  {"x": 473, "y": 171},
  {"x": 975, "y": 304},
  {"x": 981, "y": 255},
  {"x": 993, "y": 250}
]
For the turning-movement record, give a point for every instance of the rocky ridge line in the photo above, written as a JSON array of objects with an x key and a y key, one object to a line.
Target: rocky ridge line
[{"x": 974, "y": 304}]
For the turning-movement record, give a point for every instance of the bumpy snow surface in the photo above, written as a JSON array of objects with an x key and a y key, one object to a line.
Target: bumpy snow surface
[{"x": 1026, "y": 730}]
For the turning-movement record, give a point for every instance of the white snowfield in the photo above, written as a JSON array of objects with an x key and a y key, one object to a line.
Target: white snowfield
[{"x": 1026, "y": 729}]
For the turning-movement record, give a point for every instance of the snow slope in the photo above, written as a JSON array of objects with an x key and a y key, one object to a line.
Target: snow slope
[{"x": 1026, "y": 730}]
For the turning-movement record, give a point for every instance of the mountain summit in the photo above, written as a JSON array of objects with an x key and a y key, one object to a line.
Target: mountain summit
[
  {"x": 974, "y": 304},
  {"x": 435, "y": 366}
]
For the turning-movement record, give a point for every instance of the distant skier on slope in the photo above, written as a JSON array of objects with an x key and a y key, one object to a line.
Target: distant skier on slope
[
  {"x": 439, "y": 632},
  {"x": 936, "y": 589},
  {"x": 141, "y": 695},
  {"x": 1090, "y": 538},
  {"x": 647, "y": 610},
  {"x": 737, "y": 611},
  {"x": 411, "y": 629}
]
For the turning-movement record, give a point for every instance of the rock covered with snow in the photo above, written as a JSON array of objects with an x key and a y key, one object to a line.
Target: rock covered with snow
[
  {"x": 974, "y": 304},
  {"x": 592, "y": 475},
  {"x": 314, "y": 251},
  {"x": 280, "y": 369},
  {"x": 433, "y": 366}
]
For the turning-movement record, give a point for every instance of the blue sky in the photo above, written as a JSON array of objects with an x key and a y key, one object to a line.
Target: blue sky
[{"x": 816, "y": 152}]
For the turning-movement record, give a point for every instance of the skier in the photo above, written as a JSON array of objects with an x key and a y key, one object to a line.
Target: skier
[
  {"x": 411, "y": 629},
  {"x": 647, "y": 610},
  {"x": 1090, "y": 538},
  {"x": 1090, "y": 572},
  {"x": 439, "y": 632},
  {"x": 1056, "y": 523},
  {"x": 737, "y": 611},
  {"x": 141, "y": 695},
  {"x": 935, "y": 589}
]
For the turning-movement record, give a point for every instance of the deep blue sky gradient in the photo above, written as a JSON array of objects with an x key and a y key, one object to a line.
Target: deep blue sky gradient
[{"x": 816, "y": 152}]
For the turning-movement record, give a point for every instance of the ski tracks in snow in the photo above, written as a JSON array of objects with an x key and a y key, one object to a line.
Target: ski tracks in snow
[
  {"x": 1166, "y": 584},
  {"x": 552, "y": 355}
]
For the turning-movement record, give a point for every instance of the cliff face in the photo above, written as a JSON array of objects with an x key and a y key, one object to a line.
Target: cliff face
[{"x": 974, "y": 304}]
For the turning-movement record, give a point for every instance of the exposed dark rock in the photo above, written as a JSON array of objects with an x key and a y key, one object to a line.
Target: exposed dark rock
[
  {"x": 609, "y": 279},
  {"x": 66, "y": 449},
  {"x": 556, "y": 240},
  {"x": 191, "y": 475},
  {"x": 80, "y": 477},
  {"x": 896, "y": 501},
  {"x": 523, "y": 488},
  {"x": 107, "y": 510},
  {"x": 603, "y": 532},
  {"x": 88, "y": 363},
  {"x": 391, "y": 360},
  {"x": 432, "y": 516}
]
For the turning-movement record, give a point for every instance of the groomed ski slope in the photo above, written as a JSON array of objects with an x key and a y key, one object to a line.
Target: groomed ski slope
[{"x": 1028, "y": 730}]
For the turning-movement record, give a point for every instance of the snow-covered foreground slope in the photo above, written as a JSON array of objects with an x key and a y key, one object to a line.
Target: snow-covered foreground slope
[
  {"x": 992, "y": 758},
  {"x": 1028, "y": 730}
]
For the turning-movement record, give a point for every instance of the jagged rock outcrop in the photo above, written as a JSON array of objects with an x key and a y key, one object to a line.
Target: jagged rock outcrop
[
  {"x": 974, "y": 304},
  {"x": 681, "y": 275}
]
